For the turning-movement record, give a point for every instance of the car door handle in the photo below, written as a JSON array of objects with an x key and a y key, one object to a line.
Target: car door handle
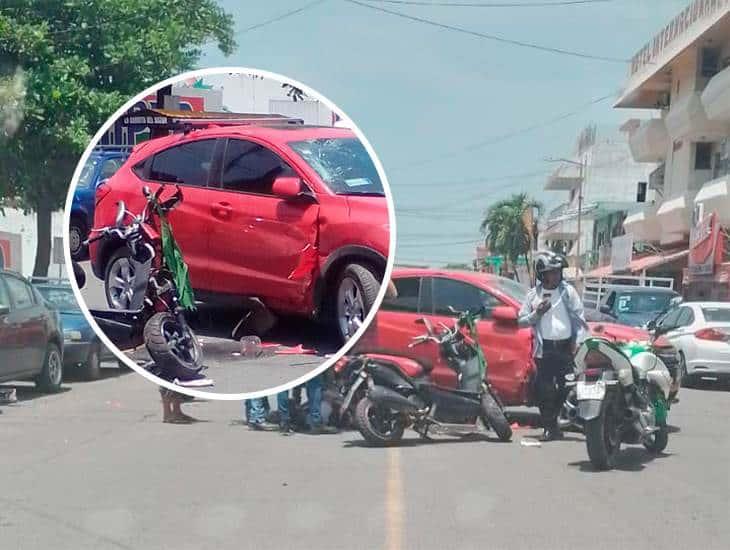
[{"x": 222, "y": 210}]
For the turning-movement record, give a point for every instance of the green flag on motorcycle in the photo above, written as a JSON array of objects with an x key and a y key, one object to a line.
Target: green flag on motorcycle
[{"x": 176, "y": 264}]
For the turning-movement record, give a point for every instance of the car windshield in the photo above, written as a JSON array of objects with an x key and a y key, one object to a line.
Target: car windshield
[
  {"x": 643, "y": 302},
  {"x": 87, "y": 173},
  {"x": 343, "y": 164},
  {"x": 61, "y": 298},
  {"x": 513, "y": 289},
  {"x": 716, "y": 314}
]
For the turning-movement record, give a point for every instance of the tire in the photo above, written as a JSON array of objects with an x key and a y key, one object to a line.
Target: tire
[
  {"x": 355, "y": 293},
  {"x": 77, "y": 234},
  {"x": 494, "y": 418},
  {"x": 115, "y": 266},
  {"x": 370, "y": 432},
  {"x": 180, "y": 362},
  {"x": 92, "y": 367},
  {"x": 50, "y": 378},
  {"x": 601, "y": 450},
  {"x": 658, "y": 441}
]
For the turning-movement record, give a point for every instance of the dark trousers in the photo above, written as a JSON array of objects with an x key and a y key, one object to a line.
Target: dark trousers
[{"x": 556, "y": 362}]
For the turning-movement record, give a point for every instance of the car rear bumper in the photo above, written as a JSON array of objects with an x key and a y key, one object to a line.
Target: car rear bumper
[{"x": 712, "y": 358}]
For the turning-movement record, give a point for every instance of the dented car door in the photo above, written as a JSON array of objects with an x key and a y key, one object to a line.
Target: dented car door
[{"x": 275, "y": 256}]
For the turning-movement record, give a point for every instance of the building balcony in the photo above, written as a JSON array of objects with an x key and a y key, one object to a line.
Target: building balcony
[
  {"x": 674, "y": 217},
  {"x": 650, "y": 141},
  {"x": 687, "y": 120},
  {"x": 566, "y": 177},
  {"x": 715, "y": 197},
  {"x": 716, "y": 97},
  {"x": 562, "y": 230},
  {"x": 644, "y": 225}
]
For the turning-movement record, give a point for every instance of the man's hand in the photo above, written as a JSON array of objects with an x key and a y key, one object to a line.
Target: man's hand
[{"x": 543, "y": 306}]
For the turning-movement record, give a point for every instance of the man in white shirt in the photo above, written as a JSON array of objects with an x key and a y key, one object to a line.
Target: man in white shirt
[{"x": 555, "y": 312}]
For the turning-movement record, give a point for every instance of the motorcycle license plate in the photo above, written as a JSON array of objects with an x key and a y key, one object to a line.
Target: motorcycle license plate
[{"x": 590, "y": 390}]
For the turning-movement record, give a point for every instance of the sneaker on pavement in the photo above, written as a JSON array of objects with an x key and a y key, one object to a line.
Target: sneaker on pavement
[
  {"x": 263, "y": 426},
  {"x": 286, "y": 429}
]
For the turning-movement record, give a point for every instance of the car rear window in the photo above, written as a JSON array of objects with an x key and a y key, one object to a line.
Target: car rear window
[
  {"x": 640, "y": 302},
  {"x": 716, "y": 314}
]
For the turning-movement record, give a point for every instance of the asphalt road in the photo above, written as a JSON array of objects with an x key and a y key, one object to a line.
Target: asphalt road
[
  {"x": 94, "y": 468},
  {"x": 232, "y": 372}
]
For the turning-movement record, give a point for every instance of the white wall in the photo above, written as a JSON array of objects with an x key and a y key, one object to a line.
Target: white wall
[{"x": 24, "y": 225}]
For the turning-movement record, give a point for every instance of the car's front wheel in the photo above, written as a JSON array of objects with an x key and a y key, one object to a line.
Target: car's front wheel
[
  {"x": 356, "y": 290},
  {"x": 49, "y": 380}
]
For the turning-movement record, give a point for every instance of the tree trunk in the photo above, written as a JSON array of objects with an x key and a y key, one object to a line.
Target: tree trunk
[{"x": 43, "y": 249}]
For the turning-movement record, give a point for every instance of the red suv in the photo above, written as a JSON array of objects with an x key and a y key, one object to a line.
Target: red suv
[{"x": 293, "y": 215}]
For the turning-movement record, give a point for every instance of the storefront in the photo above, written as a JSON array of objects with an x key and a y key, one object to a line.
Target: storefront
[{"x": 707, "y": 277}]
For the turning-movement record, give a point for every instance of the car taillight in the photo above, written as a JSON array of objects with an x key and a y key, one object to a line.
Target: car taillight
[{"x": 711, "y": 334}]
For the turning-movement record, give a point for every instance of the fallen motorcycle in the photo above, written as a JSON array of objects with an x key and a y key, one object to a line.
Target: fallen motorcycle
[
  {"x": 159, "y": 294},
  {"x": 621, "y": 395},
  {"x": 393, "y": 391}
]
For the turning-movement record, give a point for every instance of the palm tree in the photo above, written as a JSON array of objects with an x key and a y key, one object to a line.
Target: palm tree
[
  {"x": 294, "y": 93},
  {"x": 507, "y": 228}
]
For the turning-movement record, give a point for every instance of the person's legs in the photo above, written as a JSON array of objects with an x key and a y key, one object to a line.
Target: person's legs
[
  {"x": 314, "y": 398},
  {"x": 549, "y": 370},
  {"x": 282, "y": 405},
  {"x": 257, "y": 413}
]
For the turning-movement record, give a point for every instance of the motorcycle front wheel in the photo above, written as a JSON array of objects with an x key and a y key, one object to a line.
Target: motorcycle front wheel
[
  {"x": 603, "y": 439},
  {"x": 377, "y": 424},
  {"x": 173, "y": 346},
  {"x": 493, "y": 417}
]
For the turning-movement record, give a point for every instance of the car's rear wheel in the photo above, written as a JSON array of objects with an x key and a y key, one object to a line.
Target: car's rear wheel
[
  {"x": 92, "y": 366},
  {"x": 686, "y": 380},
  {"x": 51, "y": 376},
  {"x": 356, "y": 290},
  {"x": 77, "y": 233},
  {"x": 119, "y": 280}
]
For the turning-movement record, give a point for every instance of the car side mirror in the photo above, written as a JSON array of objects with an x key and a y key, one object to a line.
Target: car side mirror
[
  {"x": 505, "y": 315},
  {"x": 287, "y": 187},
  {"x": 651, "y": 325},
  {"x": 605, "y": 309},
  {"x": 4, "y": 310}
]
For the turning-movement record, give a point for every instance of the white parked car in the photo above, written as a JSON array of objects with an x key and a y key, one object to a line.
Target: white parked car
[{"x": 701, "y": 333}]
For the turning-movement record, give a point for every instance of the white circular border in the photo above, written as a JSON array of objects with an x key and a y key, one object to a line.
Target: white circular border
[{"x": 246, "y": 395}]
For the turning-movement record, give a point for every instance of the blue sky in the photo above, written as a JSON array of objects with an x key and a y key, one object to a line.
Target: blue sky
[{"x": 424, "y": 96}]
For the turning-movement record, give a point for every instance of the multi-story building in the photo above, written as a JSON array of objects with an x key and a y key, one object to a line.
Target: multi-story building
[
  {"x": 684, "y": 73},
  {"x": 603, "y": 183}
]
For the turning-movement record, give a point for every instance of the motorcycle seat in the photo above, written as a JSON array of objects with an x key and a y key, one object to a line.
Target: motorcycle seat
[{"x": 409, "y": 364}]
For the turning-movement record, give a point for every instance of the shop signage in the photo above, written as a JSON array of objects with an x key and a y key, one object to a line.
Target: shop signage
[
  {"x": 622, "y": 249},
  {"x": 706, "y": 246},
  {"x": 697, "y": 10}
]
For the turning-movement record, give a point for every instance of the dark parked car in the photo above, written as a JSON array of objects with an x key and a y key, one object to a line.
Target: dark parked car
[
  {"x": 636, "y": 307},
  {"x": 82, "y": 348},
  {"x": 31, "y": 336},
  {"x": 101, "y": 165}
]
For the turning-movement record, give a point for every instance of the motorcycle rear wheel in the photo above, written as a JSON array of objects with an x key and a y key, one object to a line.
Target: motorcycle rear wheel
[
  {"x": 161, "y": 336},
  {"x": 378, "y": 425},
  {"x": 603, "y": 440},
  {"x": 493, "y": 417}
]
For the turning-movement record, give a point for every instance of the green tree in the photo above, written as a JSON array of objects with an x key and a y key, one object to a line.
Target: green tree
[
  {"x": 506, "y": 227},
  {"x": 79, "y": 61}
]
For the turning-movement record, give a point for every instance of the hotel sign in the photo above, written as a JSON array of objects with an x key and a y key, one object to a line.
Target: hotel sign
[{"x": 697, "y": 10}]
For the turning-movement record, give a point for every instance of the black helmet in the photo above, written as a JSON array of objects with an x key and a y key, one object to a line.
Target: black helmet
[{"x": 549, "y": 261}]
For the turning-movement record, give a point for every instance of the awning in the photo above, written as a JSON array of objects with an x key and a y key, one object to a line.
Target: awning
[{"x": 655, "y": 260}]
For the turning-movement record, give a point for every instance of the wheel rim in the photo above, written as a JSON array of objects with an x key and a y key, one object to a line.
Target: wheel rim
[
  {"x": 179, "y": 340},
  {"x": 54, "y": 367},
  {"x": 74, "y": 238},
  {"x": 382, "y": 420},
  {"x": 350, "y": 307},
  {"x": 121, "y": 284}
]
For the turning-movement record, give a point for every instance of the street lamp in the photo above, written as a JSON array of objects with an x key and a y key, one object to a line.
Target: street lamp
[{"x": 581, "y": 165}]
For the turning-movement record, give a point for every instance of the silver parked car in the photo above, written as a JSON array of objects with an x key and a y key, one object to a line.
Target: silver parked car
[{"x": 701, "y": 333}]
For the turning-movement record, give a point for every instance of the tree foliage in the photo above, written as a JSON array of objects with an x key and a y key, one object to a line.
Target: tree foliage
[{"x": 78, "y": 62}]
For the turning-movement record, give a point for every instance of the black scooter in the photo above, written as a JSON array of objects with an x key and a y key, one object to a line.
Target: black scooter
[{"x": 395, "y": 400}]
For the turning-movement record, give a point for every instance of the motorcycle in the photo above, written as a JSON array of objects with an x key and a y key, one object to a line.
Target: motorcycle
[
  {"x": 621, "y": 396},
  {"x": 159, "y": 294},
  {"x": 393, "y": 392}
]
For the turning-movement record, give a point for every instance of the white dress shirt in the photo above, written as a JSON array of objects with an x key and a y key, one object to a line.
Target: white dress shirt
[{"x": 555, "y": 322}]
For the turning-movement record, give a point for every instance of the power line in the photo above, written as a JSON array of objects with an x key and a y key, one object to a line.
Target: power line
[
  {"x": 505, "y": 137},
  {"x": 280, "y": 17},
  {"x": 445, "y": 243},
  {"x": 470, "y": 181},
  {"x": 493, "y": 37},
  {"x": 493, "y": 4}
]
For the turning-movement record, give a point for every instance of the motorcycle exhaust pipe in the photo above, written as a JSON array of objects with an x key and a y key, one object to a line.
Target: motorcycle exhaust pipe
[{"x": 391, "y": 399}]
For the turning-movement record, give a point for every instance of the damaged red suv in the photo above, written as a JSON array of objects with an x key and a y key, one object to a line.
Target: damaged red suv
[{"x": 293, "y": 215}]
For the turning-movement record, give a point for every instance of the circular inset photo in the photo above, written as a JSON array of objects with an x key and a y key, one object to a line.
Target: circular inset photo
[{"x": 230, "y": 231}]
